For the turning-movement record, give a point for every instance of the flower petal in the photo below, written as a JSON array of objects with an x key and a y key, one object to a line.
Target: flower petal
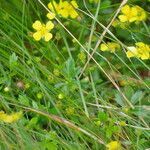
[
  {"x": 37, "y": 35},
  {"x": 74, "y": 3},
  {"x": 132, "y": 52},
  {"x": 64, "y": 13},
  {"x": 48, "y": 36},
  {"x": 73, "y": 14},
  {"x": 134, "y": 11},
  {"x": 52, "y": 5},
  {"x": 133, "y": 19},
  {"x": 126, "y": 9},
  {"x": 37, "y": 25},
  {"x": 145, "y": 56},
  {"x": 123, "y": 18},
  {"x": 114, "y": 145},
  {"x": 103, "y": 47},
  {"x": 139, "y": 44},
  {"x": 49, "y": 25},
  {"x": 50, "y": 16}
]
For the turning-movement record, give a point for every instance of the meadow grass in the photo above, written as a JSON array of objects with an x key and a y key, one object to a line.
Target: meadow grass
[{"x": 71, "y": 94}]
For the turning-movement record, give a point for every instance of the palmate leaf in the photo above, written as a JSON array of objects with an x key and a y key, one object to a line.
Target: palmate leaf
[
  {"x": 69, "y": 68},
  {"x": 137, "y": 97},
  {"x": 119, "y": 100},
  {"x": 13, "y": 60}
]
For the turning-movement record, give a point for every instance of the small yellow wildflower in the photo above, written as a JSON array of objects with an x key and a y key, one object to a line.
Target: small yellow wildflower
[
  {"x": 132, "y": 52},
  {"x": 42, "y": 30},
  {"x": 141, "y": 14},
  {"x": 128, "y": 14},
  {"x": 132, "y": 14},
  {"x": 114, "y": 145},
  {"x": 110, "y": 46},
  {"x": 64, "y": 8},
  {"x": 141, "y": 50},
  {"x": 104, "y": 47},
  {"x": 10, "y": 118}
]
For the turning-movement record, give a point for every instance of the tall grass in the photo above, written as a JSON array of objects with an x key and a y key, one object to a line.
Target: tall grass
[{"x": 71, "y": 102}]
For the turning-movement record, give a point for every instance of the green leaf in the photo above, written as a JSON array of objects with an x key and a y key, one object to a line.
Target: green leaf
[
  {"x": 50, "y": 142},
  {"x": 141, "y": 112},
  {"x": 102, "y": 116},
  {"x": 49, "y": 146},
  {"x": 35, "y": 105},
  {"x": 32, "y": 123},
  {"x": 119, "y": 99},
  {"x": 106, "y": 3},
  {"x": 13, "y": 60},
  {"x": 137, "y": 97},
  {"x": 23, "y": 100},
  {"x": 69, "y": 68},
  {"x": 128, "y": 91},
  {"x": 3, "y": 80}
]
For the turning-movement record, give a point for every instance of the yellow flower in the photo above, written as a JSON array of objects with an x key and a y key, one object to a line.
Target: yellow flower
[
  {"x": 53, "y": 6},
  {"x": 132, "y": 52},
  {"x": 73, "y": 12},
  {"x": 141, "y": 14},
  {"x": 64, "y": 8},
  {"x": 128, "y": 14},
  {"x": 110, "y": 46},
  {"x": 104, "y": 47},
  {"x": 10, "y": 118},
  {"x": 114, "y": 145},
  {"x": 131, "y": 14},
  {"x": 141, "y": 50},
  {"x": 42, "y": 30}
]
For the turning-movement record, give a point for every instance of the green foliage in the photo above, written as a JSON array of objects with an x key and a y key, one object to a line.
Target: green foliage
[{"x": 41, "y": 78}]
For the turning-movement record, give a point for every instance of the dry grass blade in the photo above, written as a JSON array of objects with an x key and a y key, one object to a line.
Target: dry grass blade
[{"x": 62, "y": 121}]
